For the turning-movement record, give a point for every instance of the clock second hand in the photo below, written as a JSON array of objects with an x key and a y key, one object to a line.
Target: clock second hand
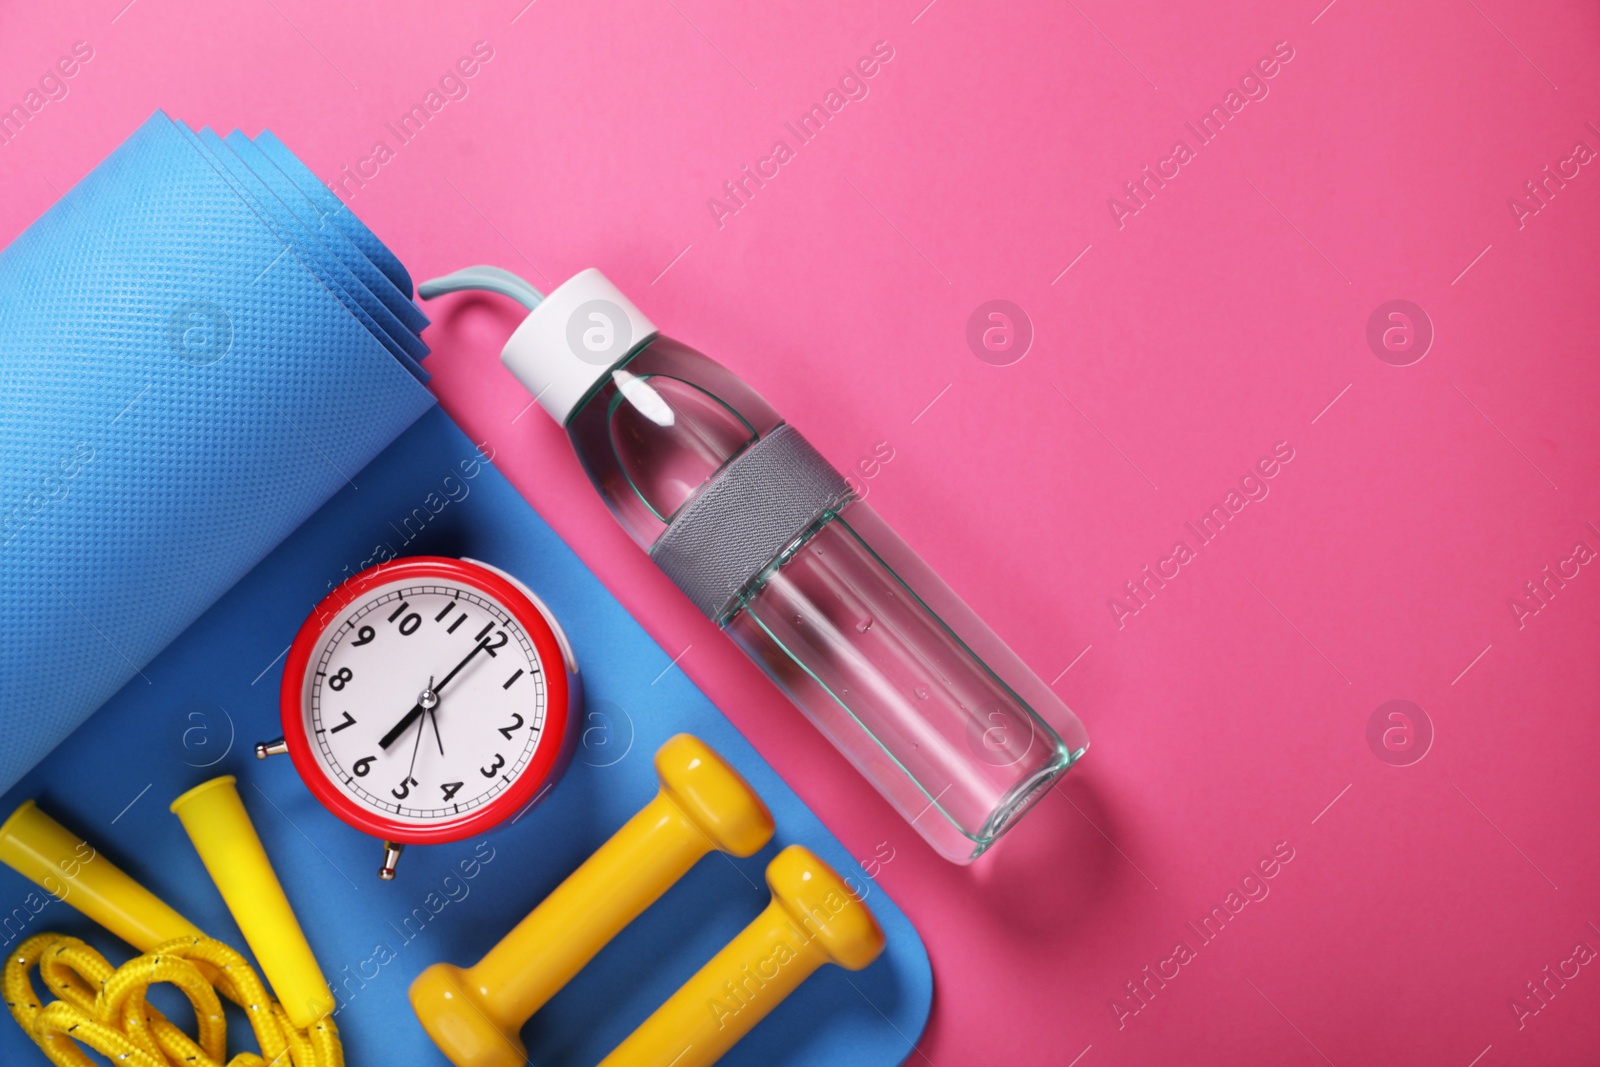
[
  {"x": 416, "y": 712},
  {"x": 415, "y": 749}
]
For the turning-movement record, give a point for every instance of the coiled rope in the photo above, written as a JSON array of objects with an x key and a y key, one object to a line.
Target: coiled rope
[{"x": 104, "y": 1008}]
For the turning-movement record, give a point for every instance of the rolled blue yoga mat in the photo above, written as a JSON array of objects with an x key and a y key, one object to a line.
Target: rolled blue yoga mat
[{"x": 198, "y": 346}]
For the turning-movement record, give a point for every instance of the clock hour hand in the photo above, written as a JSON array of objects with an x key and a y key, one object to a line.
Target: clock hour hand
[
  {"x": 433, "y": 717},
  {"x": 424, "y": 703},
  {"x": 400, "y": 727}
]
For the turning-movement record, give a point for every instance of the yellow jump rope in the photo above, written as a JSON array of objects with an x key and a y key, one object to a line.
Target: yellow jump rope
[{"x": 105, "y": 1009}]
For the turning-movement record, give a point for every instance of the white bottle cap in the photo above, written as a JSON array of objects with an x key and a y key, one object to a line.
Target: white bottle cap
[{"x": 573, "y": 338}]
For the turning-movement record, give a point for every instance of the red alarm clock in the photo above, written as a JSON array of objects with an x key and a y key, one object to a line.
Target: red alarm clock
[{"x": 427, "y": 700}]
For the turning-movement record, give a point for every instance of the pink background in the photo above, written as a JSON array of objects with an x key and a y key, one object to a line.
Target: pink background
[{"x": 1231, "y": 712}]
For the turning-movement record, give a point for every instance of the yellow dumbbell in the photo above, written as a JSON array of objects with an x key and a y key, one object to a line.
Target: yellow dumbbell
[
  {"x": 475, "y": 1015},
  {"x": 813, "y": 919}
]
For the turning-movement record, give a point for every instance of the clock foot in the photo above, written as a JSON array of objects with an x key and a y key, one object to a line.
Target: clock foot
[
  {"x": 271, "y": 748},
  {"x": 391, "y": 856}
]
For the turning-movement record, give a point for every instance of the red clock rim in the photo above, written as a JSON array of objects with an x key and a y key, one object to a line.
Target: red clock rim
[{"x": 552, "y": 740}]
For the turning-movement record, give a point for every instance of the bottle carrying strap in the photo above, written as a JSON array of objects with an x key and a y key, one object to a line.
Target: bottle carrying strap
[{"x": 763, "y": 501}]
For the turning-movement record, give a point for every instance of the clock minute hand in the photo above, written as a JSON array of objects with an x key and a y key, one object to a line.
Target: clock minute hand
[
  {"x": 416, "y": 712},
  {"x": 479, "y": 647}
]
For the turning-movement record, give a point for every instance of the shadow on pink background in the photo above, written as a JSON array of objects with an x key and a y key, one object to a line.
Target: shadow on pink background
[{"x": 1215, "y": 320}]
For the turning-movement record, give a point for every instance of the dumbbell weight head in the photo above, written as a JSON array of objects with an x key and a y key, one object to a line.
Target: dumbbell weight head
[
  {"x": 712, "y": 796},
  {"x": 824, "y": 908}
]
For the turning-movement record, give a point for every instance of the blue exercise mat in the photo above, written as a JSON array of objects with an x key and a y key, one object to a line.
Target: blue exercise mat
[
  {"x": 212, "y": 416},
  {"x": 184, "y": 383}
]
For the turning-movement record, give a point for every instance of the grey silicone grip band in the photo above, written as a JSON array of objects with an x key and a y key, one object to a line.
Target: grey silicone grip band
[{"x": 751, "y": 512}]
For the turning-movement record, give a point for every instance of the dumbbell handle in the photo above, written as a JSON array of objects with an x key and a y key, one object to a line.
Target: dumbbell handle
[{"x": 620, "y": 880}]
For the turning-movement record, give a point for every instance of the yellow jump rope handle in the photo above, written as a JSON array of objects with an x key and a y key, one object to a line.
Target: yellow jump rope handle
[
  {"x": 217, "y": 823},
  {"x": 813, "y": 919},
  {"x": 64, "y": 865},
  {"x": 475, "y": 1014}
]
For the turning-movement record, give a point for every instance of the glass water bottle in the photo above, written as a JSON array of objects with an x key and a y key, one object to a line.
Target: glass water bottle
[{"x": 771, "y": 544}]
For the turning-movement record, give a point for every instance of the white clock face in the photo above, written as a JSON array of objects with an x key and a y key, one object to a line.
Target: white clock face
[{"x": 424, "y": 701}]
